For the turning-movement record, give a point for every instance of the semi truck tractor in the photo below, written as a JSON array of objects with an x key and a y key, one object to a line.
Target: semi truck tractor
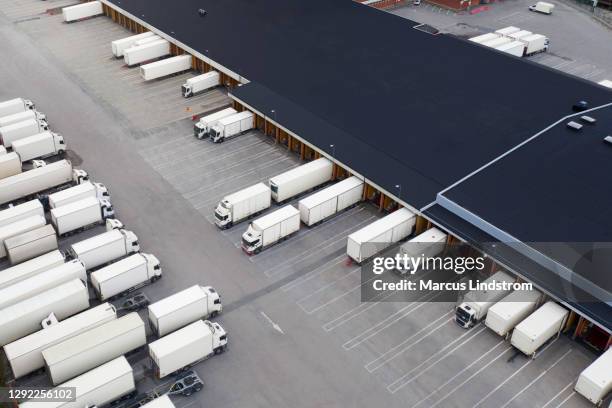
[
  {"x": 595, "y": 381},
  {"x": 25, "y": 355},
  {"x": 88, "y": 350},
  {"x": 81, "y": 215},
  {"x": 503, "y": 316},
  {"x": 200, "y": 83},
  {"x": 30, "y": 244},
  {"x": 99, "y": 387},
  {"x": 26, "y": 317},
  {"x": 535, "y": 43},
  {"x": 16, "y": 105},
  {"x": 41, "y": 180},
  {"x": 16, "y": 131},
  {"x": 77, "y": 193},
  {"x": 538, "y": 328},
  {"x": 301, "y": 179},
  {"x": 39, "y": 146},
  {"x": 368, "y": 241},
  {"x": 183, "y": 308},
  {"x": 325, "y": 203},
  {"x": 21, "y": 211},
  {"x": 104, "y": 248},
  {"x": 202, "y": 128},
  {"x": 118, "y": 46},
  {"x": 232, "y": 126},
  {"x": 146, "y": 52},
  {"x": 270, "y": 229},
  {"x": 187, "y": 346},
  {"x": 30, "y": 268},
  {"x": 81, "y": 11},
  {"x": 476, "y": 303},
  {"x": 485, "y": 37},
  {"x": 10, "y": 165},
  {"x": 165, "y": 67},
  {"x": 428, "y": 244},
  {"x": 21, "y": 116},
  {"x": 241, "y": 205},
  {"x": 126, "y": 275},
  {"x": 17, "y": 228}
]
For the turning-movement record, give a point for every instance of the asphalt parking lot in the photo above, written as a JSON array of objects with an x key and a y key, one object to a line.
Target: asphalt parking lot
[{"x": 299, "y": 335}]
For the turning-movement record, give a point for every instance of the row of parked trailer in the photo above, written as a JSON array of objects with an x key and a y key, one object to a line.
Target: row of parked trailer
[{"x": 514, "y": 41}]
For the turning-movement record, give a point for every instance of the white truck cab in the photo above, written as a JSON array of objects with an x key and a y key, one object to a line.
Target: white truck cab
[
  {"x": 107, "y": 209},
  {"x": 251, "y": 240},
  {"x": 219, "y": 336},
  {"x": 113, "y": 223},
  {"x": 223, "y": 214}
]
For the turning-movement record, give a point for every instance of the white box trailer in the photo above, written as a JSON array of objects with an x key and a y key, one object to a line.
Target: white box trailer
[
  {"x": 38, "y": 180},
  {"x": 232, "y": 126},
  {"x": 15, "y": 106},
  {"x": 542, "y": 7},
  {"x": 125, "y": 275},
  {"x": 19, "y": 227},
  {"x": 605, "y": 82},
  {"x": 497, "y": 42},
  {"x": 21, "y": 211},
  {"x": 104, "y": 248},
  {"x": 542, "y": 325},
  {"x": 503, "y": 316},
  {"x": 479, "y": 39},
  {"x": 202, "y": 128},
  {"x": 187, "y": 346},
  {"x": 25, "y": 355},
  {"x": 241, "y": 205},
  {"x": 380, "y": 234},
  {"x": 160, "y": 402},
  {"x": 146, "y": 52},
  {"x": 507, "y": 30},
  {"x": 3, "y": 149},
  {"x": 25, "y": 317},
  {"x": 39, "y": 146},
  {"x": 516, "y": 48},
  {"x": 200, "y": 83},
  {"x": 147, "y": 40},
  {"x": 80, "y": 215},
  {"x": 476, "y": 303},
  {"x": 77, "y": 193},
  {"x": 94, "y": 347},
  {"x": 41, "y": 282},
  {"x": 21, "y": 116},
  {"x": 118, "y": 46},
  {"x": 95, "y": 388},
  {"x": 270, "y": 229},
  {"x": 81, "y": 11},
  {"x": 595, "y": 381},
  {"x": 165, "y": 67},
  {"x": 534, "y": 44},
  {"x": 301, "y": 179},
  {"x": 183, "y": 308},
  {"x": 520, "y": 34},
  {"x": 323, "y": 204},
  {"x": 30, "y": 244},
  {"x": 20, "y": 130},
  {"x": 30, "y": 268},
  {"x": 10, "y": 165},
  {"x": 430, "y": 243}
]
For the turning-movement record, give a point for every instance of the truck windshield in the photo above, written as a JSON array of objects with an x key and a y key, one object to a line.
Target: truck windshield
[
  {"x": 274, "y": 188},
  {"x": 250, "y": 243},
  {"x": 220, "y": 217},
  {"x": 463, "y": 316}
]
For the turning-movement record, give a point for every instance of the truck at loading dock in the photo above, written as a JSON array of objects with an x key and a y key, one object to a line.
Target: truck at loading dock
[
  {"x": 503, "y": 316},
  {"x": 301, "y": 179},
  {"x": 25, "y": 355},
  {"x": 22, "y": 116},
  {"x": 30, "y": 244},
  {"x": 146, "y": 52},
  {"x": 16, "y": 105},
  {"x": 241, "y": 205},
  {"x": 202, "y": 128},
  {"x": 200, "y": 83},
  {"x": 80, "y": 11},
  {"x": 430, "y": 243},
  {"x": 476, "y": 303},
  {"x": 323, "y": 204},
  {"x": 485, "y": 37},
  {"x": 538, "y": 328},
  {"x": 11, "y": 133},
  {"x": 187, "y": 346},
  {"x": 147, "y": 40},
  {"x": 10, "y": 165},
  {"x": 183, "y": 308},
  {"x": 77, "y": 193},
  {"x": 105, "y": 247},
  {"x": 30, "y": 268},
  {"x": 270, "y": 229},
  {"x": 595, "y": 382},
  {"x": 373, "y": 238},
  {"x": 39, "y": 146},
  {"x": 80, "y": 215},
  {"x": 535, "y": 43},
  {"x": 118, "y": 46},
  {"x": 165, "y": 67},
  {"x": 126, "y": 275},
  {"x": 232, "y": 126}
]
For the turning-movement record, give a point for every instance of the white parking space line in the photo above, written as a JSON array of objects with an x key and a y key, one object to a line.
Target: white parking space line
[
  {"x": 557, "y": 395},
  {"x": 316, "y": 309},
  {"x": 314, "y": 273},
  {"x": 350, "y": 314},
  {"x": 566, "y": 399}
]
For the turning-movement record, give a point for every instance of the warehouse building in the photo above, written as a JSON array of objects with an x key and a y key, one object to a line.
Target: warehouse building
[{"x": 474, "y": 140}]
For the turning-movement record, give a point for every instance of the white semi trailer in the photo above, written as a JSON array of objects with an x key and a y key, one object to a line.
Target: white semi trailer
[
  {"x": 81, "y": 215},
  {"x": 21, "y": 116},
  {"x": 81, "y": 11},
  {"x": 26, "y": 317},
  {"x": 520, "y": 34},
  {"x": 118, "y": 46},
  {"x": 187, "y": 346},
  {"x": 40, "y": 180},
  {"x": 232, "y": 126},
  {"x": 595, "y": 381},
  {"x": 146, "y": 52},
  {"x": 16, "y": 105},
  {"x": 503, "y": 316},
  {"x": 77, "y": 193},
  {"x": 368, "y": 241},
  {"x": 147, "y": 40},
  {"x": 541, "y": 326},
  {"x": 430, "y": 243},
  {"x": 16, "y": 131},
  {"x": 270, "y": 229},
  {"x": 30, "y": 244},
  {"x": 241, "y": 205},
  {"x": 508, "y": 30},
  {"x": 21, "y": 211},
  {"x": 200, "y": 83},
  {"x": 104, "y": 248},
  {"x": 485, "y": 37},
  {"x": 202, "y": 128},
  {"x": 301, "y": 179},
  {"x": 497, "y": 42},
  {"x": 325, "y": 203},
  {"x": 30, "y": 268},
  {"x": 125, "y": 275},
  {"x": 183, "y": 308},
  {"x": 516, "y": 48},
  {"x": 10, "y": 165},
  {"x": 17, "y": 228},
  {"x": 39, "y": 146},
  {"x": 25, "y": 355},
  {"x": 165, "y": 67}
]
